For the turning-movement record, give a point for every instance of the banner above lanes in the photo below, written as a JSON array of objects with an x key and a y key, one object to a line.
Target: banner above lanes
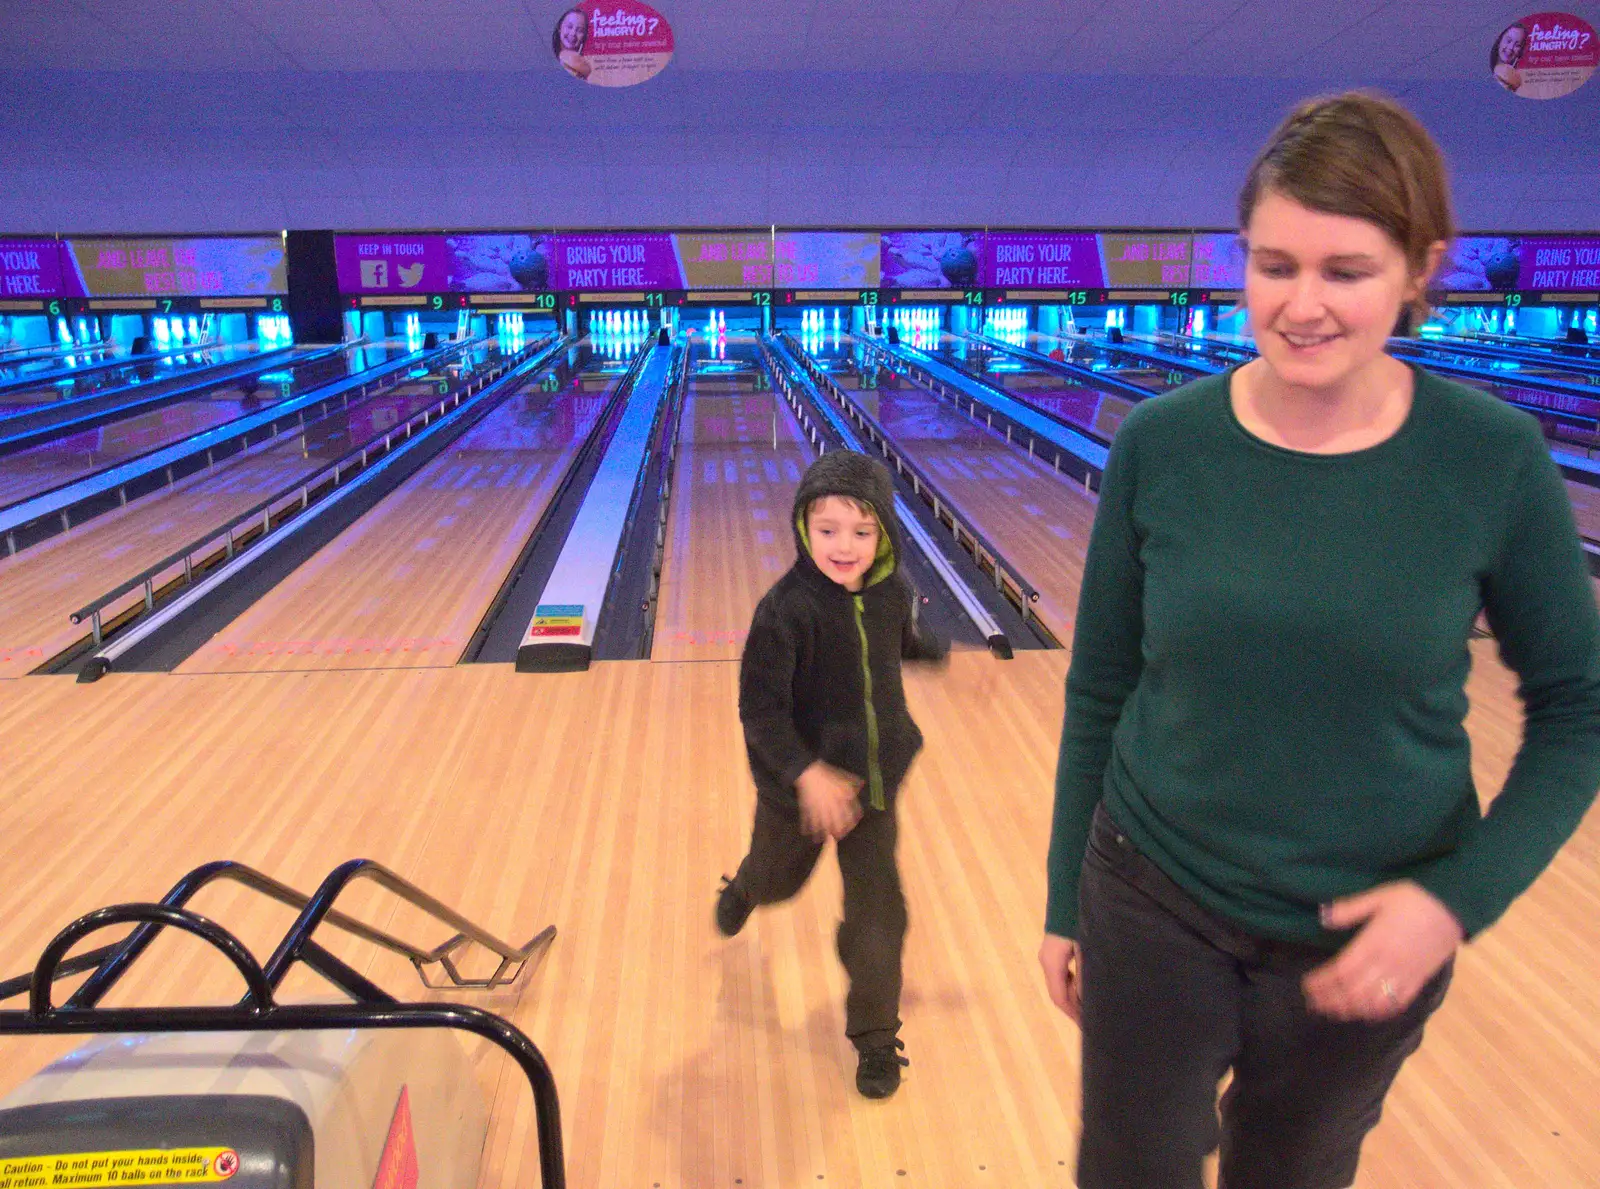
[
  {"x": 914, "y": 260},
  {"x": 148, "y": 266},
  {"x": 1503, "y": 264}
]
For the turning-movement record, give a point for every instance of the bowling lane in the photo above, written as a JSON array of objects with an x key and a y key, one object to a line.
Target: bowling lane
[
  {"x": 1038, "y": 519},
  {"x": 1585, "y": 508},
  {"x": 1582, "y": 355},
  {"x": 28, "y": 365},
  {"x": 1514, "y": 365},
  {"x": 42, "y": 586},
  {"x": 1096, "y": 409},
  {"x": 408, "y": 583},
  {"x": 1105, "y": 358},
  {"x": 63, "y": 460},
  {"x": 1573, "y": 408},
  {"x": 1497, "y": 376},
  {"x": 25, "y": 387},
  {"x": 728, "y": 535}
]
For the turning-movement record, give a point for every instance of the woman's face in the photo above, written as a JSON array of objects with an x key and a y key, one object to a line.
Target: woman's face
[
  {"x": 1511, "y": 45},
  {"x": 573, "y": 27},
  {"x": 1323, "y": 291}
]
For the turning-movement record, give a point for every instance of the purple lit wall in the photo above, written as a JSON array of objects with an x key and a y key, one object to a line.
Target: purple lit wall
[{"x": 202, "y": 152}]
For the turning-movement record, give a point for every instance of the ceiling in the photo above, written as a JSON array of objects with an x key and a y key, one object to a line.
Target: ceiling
[
  {"x": 1380, "y": 39},
  {"x": 250, "y": 114}
]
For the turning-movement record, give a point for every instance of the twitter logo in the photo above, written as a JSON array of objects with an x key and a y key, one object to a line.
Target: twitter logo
[{"x": 410, "y": 275}]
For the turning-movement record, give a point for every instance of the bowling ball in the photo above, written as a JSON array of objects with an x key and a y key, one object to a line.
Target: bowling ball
[
  {"x": 530, "y": 270},
  {"x": 1502, "y": 270},
  {"x": 960, "y": 267}
]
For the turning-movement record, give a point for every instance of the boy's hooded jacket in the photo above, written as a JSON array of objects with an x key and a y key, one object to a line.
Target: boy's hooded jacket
[{"x": 820, "y": 677}]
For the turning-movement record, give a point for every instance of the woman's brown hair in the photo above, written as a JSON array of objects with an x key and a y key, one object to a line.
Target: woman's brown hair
[{"x": 1365, "y": 156}]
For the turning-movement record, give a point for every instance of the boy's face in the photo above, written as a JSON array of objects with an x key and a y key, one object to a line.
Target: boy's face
[{"x": 844, "y": 540}]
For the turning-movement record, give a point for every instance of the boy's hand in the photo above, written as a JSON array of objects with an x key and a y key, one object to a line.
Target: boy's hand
[{"x": 828, "y": 801}]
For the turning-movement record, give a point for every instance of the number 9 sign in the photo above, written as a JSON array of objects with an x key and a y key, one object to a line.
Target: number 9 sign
[{"x": 436, "y": 302}]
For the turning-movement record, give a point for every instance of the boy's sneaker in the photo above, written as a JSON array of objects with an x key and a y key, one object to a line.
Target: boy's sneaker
[
  {"x": 733, "y": 910},
  {"x": 878, "y": 1070}
]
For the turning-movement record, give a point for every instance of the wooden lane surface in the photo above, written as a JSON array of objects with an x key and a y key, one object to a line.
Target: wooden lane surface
[
  {"x": 408, "y": 583},
  {"x": 608, "y": 803},
  {"x": 1104, "y": 413},
  {"x": 41, "y": 586},
  {"x": 1585, "y": 508},
  {"x": 50, "y": 464},
  {"x": 728, "y": 534},
  {"x": 1097, "y": 410},
  {"x": 1036, "y": 517},
  {"x": 1155, "y": 378},
  {"x": 1086, "y": 406}
]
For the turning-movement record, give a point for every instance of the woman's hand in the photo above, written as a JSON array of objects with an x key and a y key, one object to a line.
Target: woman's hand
[
  {"x": 1063, "y": 975},
  {"x": 1407, "y": 936}
]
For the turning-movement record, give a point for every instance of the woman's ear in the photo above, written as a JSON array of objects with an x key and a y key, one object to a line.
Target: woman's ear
[{"x": 1430, "y": 268}]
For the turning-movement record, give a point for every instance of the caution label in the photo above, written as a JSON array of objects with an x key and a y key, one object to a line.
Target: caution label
[{"x": 150, "y": 1167}]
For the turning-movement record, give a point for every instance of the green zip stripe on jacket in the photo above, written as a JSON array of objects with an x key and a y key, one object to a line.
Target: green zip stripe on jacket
[{"x": 874, "y": 771}]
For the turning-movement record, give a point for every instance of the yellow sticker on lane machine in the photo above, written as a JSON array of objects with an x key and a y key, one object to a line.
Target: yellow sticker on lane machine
[{"x": 150, "y": 1167}]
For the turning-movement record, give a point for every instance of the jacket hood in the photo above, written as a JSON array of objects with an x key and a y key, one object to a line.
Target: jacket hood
[{"x": 863, "y": 479}]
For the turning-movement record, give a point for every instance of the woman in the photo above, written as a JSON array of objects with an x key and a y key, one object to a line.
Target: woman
[
  {"x": 1267, "y": 846},
  {"x": 1506, "y": 56},
  {"x": 570, "y": 39}
]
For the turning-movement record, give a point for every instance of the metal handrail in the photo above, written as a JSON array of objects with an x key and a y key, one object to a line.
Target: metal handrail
[
  {"x": 357, "y": 457},
  {"x": 110, "y": 962},
  {"x": 258, "y": 992},
  {"x": 319, "y": 906},
  {"x": 982, "y": 550},
  {"x": 258, "y": 1012}
]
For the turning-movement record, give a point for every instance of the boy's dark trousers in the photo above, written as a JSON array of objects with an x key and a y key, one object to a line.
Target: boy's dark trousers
[{"x": 872, "y": 935}]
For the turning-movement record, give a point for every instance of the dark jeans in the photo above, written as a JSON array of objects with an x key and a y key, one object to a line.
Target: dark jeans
[
  {"x": 872, "y": 935},
  {"x": 1173, "y": 997}
]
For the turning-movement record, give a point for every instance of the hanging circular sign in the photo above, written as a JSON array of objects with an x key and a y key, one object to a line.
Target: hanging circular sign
[
  {"x": 1544, "y": 56},
  {"x": 612, "y": 43}
]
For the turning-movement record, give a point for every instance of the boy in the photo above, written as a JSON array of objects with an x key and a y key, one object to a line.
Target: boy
[{"x": 830, "y": 738}]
